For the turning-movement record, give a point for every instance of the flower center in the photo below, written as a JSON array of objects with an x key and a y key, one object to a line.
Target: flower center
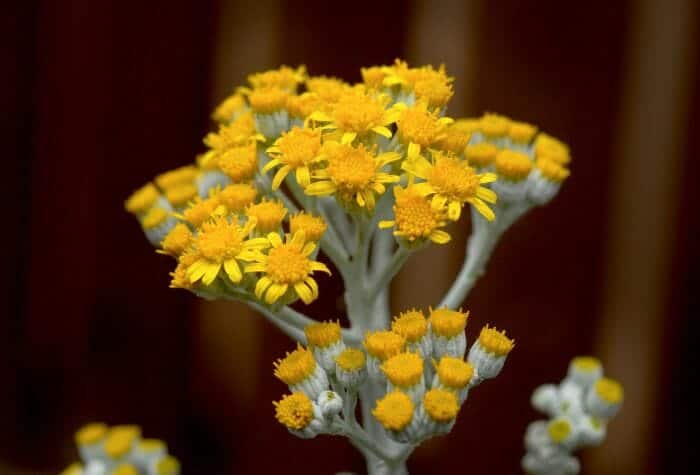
[
  {"x": 412, "y": 325},
  {"x": 299, "y": 146},
  {"x": 269, "y": 215},
  {"x": 495, "y": 342},
  {"x": 384, "y": 344},
  {"x": 267, "y": 100},
  {"x": 357, "y": 113},
  {"x": 453, "y": 178},
  {"x": 441, "y": 405},
  {"x": 239, "y": 163},
  {"x": 447, "y": 323},
  {"x": 394, "y": 411},
  {"x": 287, "y": 265},
  {"x": 351, "y": 359},
  {"x": 352, "y": 168},
  {"x": 404, "y": 370},
  {"x": 294, "y": 411},
  {"x": 322, "y": 334},
  {"x": 414, "y": 215},
  {"x": 419, "y": 126},
  {"x": 295, "y": 367},
  {"x": 454, "y": 372},
  {"x": 219, "y": 240},
  {"x": 237, "y": 196}
]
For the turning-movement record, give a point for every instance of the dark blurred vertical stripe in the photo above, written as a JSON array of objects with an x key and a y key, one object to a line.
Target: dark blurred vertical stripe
[
  {"x": 120, "y": 95},
  {"x": 17, "y": 44}
]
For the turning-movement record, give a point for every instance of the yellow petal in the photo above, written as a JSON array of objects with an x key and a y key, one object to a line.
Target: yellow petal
[
  {"x": 319, "y": 117},
  {"x": 487, "y": 178},
  {"x": 439, "y": 237},
  {"x": 482, "y": 208},
  {"x": 320, "y": 266},
  {"x": 303, "y": 292},
  {"x": 275, "y": 292},
  {"x": 348, "y": 137},
  {"x": 320, "y": 188},
  {"x": 210, "y": 274},
  {"x": 413, "y": 150},
  {"x": 233, "y": 270},
  {"x": 383, "y": 131},
  {"x": 274, "y": 239},
  {"x": 303, "y": 176},
  {"x": 454, "y": 210},
  {"x": 309, "y": 248},
  {"x": 313, "y": 286},
  {"x": 386, "y": 224},
  {"x": 280, "y": 176},
  {"x": 486, "y": 194},
  {"x": 271, "y": 164},
  {"x": 261, "y": 286}
]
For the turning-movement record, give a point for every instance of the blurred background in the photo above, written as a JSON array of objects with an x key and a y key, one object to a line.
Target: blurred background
[{"x": 101, "y": 96}]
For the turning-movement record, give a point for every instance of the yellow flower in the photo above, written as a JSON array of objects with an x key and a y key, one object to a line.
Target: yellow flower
[
  {"x": 303, "y": 105},
  {"x": 295, "y": 411},
  {"x": 494, "y": 125},
  {"x": 295, "y": 150},
  {"x": 358, "y": 113},
  {"x": 427, "y": 84},
  {"x": 284, "y": 78},
  {"x": 452, "y": 182},
  {"x": 239, "y": 162},
  {"x": 328, "y": 89},
  {"x": 268, "y": 215},
  {"x": 419, "y": 128},
  {"x": 512, "y": 165},
  {"x": 221, "y": 243},
  {"x": 177, "y": 240},
  {"x": 416, "y": 218},
  {"x": 199, "y": 210},
  {"x": 547, "y": 146},
  {"x": 455, "y": 140},
  {"x": 394, "y": 411},
  {"x": 552, "y": 170},
  {"x": 229, "y": 108},
  {"x": 521, "y": 132},
  {"x": 312, "y": 226},
  {"x": 237, "y": 196},
  {"x": 179, "y": 176},
  {"x": 481, "y": 154},
  {"x": 373, "y": 76},
  {"x": 267, "y": 100},
  {"x": 287, "y": 268},
  {"x": 180, "y": 195},
  {"x": 238, "y": 132},
  {"x": 142, "y": 199},
  {"x": 179, "y": 278},
  {"x": 353, "y": 174}
]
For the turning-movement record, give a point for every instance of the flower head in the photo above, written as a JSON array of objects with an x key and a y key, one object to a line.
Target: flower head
[
  {"x": 142, "y": 199},
  {"x": 268, "y": 214},
  {"x": 353, "y": 174},
  {"x": 284, "y": 78},
  {"x": 404, "y": 369},
  {"x": 239, "y": 162},
  {"x": 296, "y": 151},
  {"x": 419, "y": 128},
  {"x": 494, "y": 341},
  {"x": 416, "y": 217},
  {"x": 286, "y": 268},
  {"x": 179, "y": 176},
  {"x": 394, "y": 411},
  {"x": 227, "y": 110},
  {"x": 441, "y": 405},
  {"x": 452, "y": 182},
  {"x": 237, "y": 196},
  {"x": 295, "y": 411},
  {"x": 219, "y": 244},
  {"x": 513, "y": 166},
  {"x": 267, "y": 100},
  {"x": 383, "y": 344},
  {"x": 312, "y": 226},
  {"x": 481, "y": 154},
  {"x": 448, "y": 323},
  {"x": 412, "y": 325},
  {"x": 177, "y": 240}
]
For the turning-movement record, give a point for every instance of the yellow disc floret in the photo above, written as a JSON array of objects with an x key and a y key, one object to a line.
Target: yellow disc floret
[
  {"x": 448, "y": 323},
  {"x": 547, "y": 146},
  {"x": 179, "y": 195},
  {"x": 482, "y": 154},
  {"x": 237, "y": 196},
  {"x": 586, "y": 364},
  {"x": 551, "y": 170},
  {"x": 328, "y": 89},
  {"x": 200, "y": 210},
  {"x": 412, "y": 325},
  {"x": 155, "y": 217},
  {"x": 420, "y": 126},
  {"x": 454, "y": 140},
  {"x": 495, "y": 342},
  {"x": 494, "y": 125},
  {"x": 521, "y": 132},
  {"x": 287, "y": 267},
  {"x": 237, "y": 133},
  {"x": 229, "y": 107},
  {"x": 296, "y": 366},
  {"x": 240, "y": 162},
  {"x": 294, "y": 411},
  {"x": 267, "y": 100},
  {"x": 351, "y": 359},
  {"x": 417, "y": 217},
  {"x": 322, "y": 334},
  {"x": 513, "y": 166},
  {"x": 168, "y": 465},
  {"x": 90, "y": 433},
  {"x": 441, "y": 405},
  {"x": 176, "y": 177},
  {"x": 394, "y": 411},
  {"x": 120, "y": 440},
  {"x": 304, "y": 105},
  {"x": 312, "y": 226},
  {"x": 177, "y": 240},
  {"x": 268, "y": 213},
  {"x": 609, "y": 390},
  {"x": 404, "y": 370},
  {"x": 373, "y": 76},
  {"x": 383, "y": 344},
  {"x": 142, "y": 199},
  {"x": 454, "y": 373},
  {"x": 559, "y": 430}
]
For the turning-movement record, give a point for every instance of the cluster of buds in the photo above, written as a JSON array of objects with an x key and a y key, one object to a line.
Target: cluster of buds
[
  {"x": 120, "y": 450},
  {"x": 419, "y": 361},
  {"x": 579, "y": 409}
]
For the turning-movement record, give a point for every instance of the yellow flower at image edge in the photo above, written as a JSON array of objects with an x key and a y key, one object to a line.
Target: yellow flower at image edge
[
  {"x": 221, "y": 243},
  {"x": 452, "y": 182},
  {"x": 353, "y": 174},
  {"x": 286, "y": 267}
]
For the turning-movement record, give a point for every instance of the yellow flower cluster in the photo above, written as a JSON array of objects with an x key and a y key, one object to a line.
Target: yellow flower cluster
[
  {"x": 385, "y": 138},
  {"x": 123, "y": 449}
]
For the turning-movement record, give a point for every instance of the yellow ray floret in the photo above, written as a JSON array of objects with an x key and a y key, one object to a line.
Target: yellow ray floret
[
  {"x": 358, "y": 113},
  {"x": 322, "y": 334},
  {"x": 268, "y": 214},
  {"x": 416, "y": 217},
  {"x": 295, "y": 367},
  {"x": 441, "y": 405},
  {"x": 383, "y": 344},
  {"x": 448, "y": 323},
  {"x": 295, "y": 411},
  {"x": 295, "y": 151},
  {"x": 404, "y": 370},
  {"x": 495, "y": 342},
  {"x": 454, "y": 373},
  {"x": 287, "y": 268},
  {"x": 353, "y": 174},
  {"x": 219, "y": 244},
  {"x": 412, "y": 325},
  {"x": 452, "y": 182},
  {"x": 394, "y": 411},
  {"x": 312, "y": 226}
]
